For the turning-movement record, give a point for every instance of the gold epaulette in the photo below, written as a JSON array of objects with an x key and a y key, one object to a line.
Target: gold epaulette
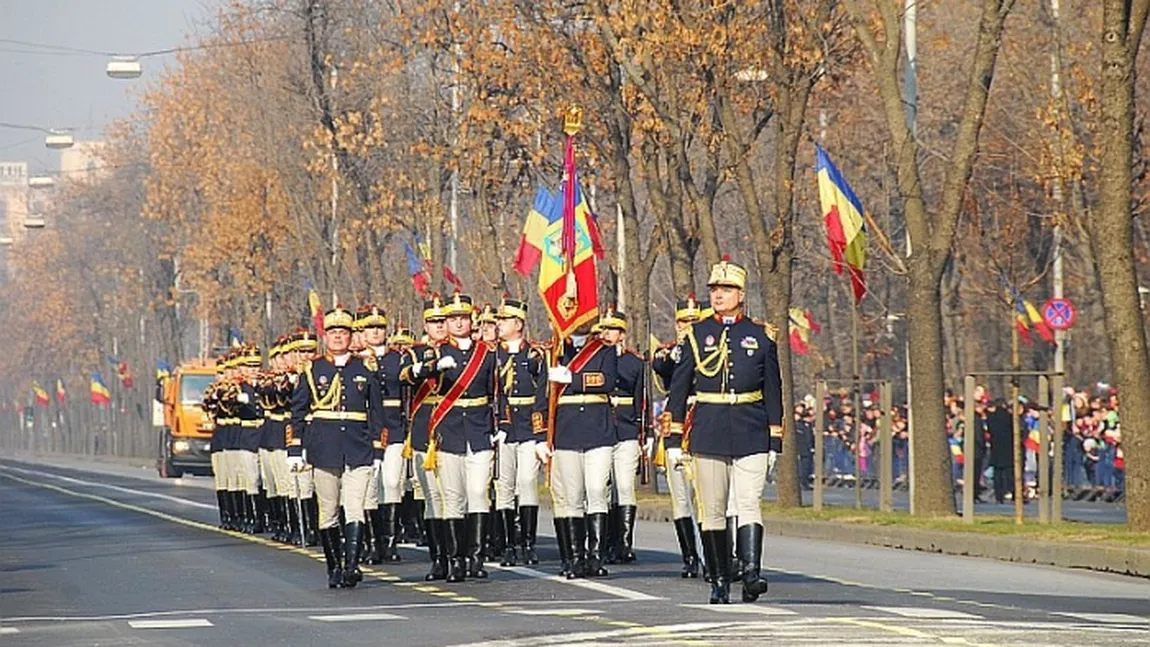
[
  {"x": 370, "y": 362},
  {"x": 772, "y": 331}
]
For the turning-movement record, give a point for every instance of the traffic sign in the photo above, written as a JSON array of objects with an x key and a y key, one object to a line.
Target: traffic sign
[{"x": 1059, "y": 313}]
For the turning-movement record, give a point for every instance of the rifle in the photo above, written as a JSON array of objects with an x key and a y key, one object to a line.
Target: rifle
[{"x": 644, "y": 456}]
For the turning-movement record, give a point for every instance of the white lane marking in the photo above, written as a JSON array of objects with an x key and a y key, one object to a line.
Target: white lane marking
[
  {"x": 553, "y": 612},
  {"x": 188, "y": 623},
  {"x": 297, "y": 610},
  {"x": 925, "y": 613},
  {"x": 741, "y": 608},
  {"x": 116, "y": 488},
  {"x": 609, "y": 635},
  {"x": 358, "y": 617},
  {"x": 4, "y": 631},
  {"x": 1115, "y": 618},
  {"x": 590, "y": 585}
]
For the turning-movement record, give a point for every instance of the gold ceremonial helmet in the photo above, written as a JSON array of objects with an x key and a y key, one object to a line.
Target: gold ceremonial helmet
[
  {"x": 688, "y": 309},
  {"x": 729, "y": 274},
  {"x": 370, "y": 316},
  {"x": 487, "y": 315},
  {"x": 512, "y": 309},
  {"x": 613, "y": 319},
  {"x": 338, "y": 317},
  {"x": 460, "y": 304},
  {"x": 433, "y": 308}
]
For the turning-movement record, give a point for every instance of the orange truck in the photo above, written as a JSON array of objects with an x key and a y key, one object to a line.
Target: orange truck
[{"x": 186, "y": 434}]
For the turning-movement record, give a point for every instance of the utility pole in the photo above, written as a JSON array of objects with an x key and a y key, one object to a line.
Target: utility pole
[
  {"x": 1059, "y": 199},
  {"x": 910, "y": 34}
]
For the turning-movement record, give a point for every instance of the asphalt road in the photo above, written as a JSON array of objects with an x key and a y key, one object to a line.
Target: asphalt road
[{"x": 110, "y": 555}]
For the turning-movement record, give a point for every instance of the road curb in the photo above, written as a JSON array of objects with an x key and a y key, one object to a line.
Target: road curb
[{"x": 1112, "y": 559}]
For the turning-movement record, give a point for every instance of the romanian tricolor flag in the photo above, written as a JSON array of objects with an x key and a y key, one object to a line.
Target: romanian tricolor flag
[
  {"x": 61, "y": 394},
  {"x": 315, "y": 311},
  {"x": 568, "y": 246},
  {"x": 843, "y": 214},
  {"x": 802, "y": 327},
  {"x": 99, "y": 392},
  {"x": 415, "y": 269},
  {"x": 534, "y": 229},
  {"x": 1027, "y": 316},
  {"x": 39, "y": 395}
]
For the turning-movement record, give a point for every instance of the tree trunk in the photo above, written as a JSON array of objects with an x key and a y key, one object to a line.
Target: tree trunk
[{"x": 1112, "y": 240}]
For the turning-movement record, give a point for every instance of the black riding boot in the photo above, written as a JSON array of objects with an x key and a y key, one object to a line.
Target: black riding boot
[
  {"x": 436, "y": 549},
  {"x": 331, "y": 553},
  {"x": 563, "y": 538},
  {"x": 311, "y": 528},
  {"x": 294, "y": 536},
  {"x": 247, "y": 521},
  {"x": 718, "y": 556},
  {"x": 477, "y": 531},
  {"x": 750, "y": 543},
  {"x": 596, "y": 538},
  {"x": 613, "y": 541},
  {"x": 352, "y": 536},
  {"x": 736, "y": 571},
  {"x": 421, "y": 529},
  {"x": 627, "y": 514},
  {"x": 259, "y": 505},
  {"x": 529, "y": 521},
  {"x": 577, "y": 531},
  {"x": 373, "y": 525},
  {"x": 222, "y": 504},
  {"x": 506, "y": 523},
  {"x": 275, "y": 526},
  {"x": 388, "y": 536},
  {"x": 685, "y": 532},
  {"x": 456, "y": 549}
]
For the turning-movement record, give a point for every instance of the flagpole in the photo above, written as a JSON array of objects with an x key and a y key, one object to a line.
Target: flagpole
[
  {"x": 1016, "y": 433},
  {"x": 857, "y": 386}
]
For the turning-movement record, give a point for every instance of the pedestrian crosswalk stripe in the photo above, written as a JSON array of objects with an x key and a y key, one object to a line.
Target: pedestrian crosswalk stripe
[
  {"x": 358, "y": 617},
  {"x": 188, "y": 623},
  {"x": 8, "y": 630},
  {"x": 1115, "y": 618},
  {"x": 748, "y": 609},
  {"x": 926, "y": 613}
]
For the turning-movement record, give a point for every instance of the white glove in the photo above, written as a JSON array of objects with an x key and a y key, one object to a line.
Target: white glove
[
  {"x": 542, "y": 452},
  {"x": 377, "y": 463},
  {"x": 674, "y": 457},
  {"x": 417, "y": 369},
  {"x": 559, "y": 374},
  {"x": 499, "y": 438},
  {"x": 445, "y": 363},
  {"x": 296, "y": 463},
  {"x": 243, "y": 398}
]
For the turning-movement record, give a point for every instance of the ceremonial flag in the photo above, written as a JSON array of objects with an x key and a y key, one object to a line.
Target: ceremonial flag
[
  {"x": 99, "y": 392},
  {"x": 40, "y": 395},
  {"x": 802, "y": 327},
  {"x": 451, "y": 278},
  {"x": 534, "y": 230},
  {"x": 415, "y": 269},
  {"x": 61, "y": 394},
  {"x": 163, "y": 369},
  {"x": 1021, "y": 324},
  {"x": 567, "y": 281},
  {"x": 1044, "y": 330},
  {"x": 126, "y": 379},
  {"x": 843, "y": 215},
  {"x": 315, "y": 311}
]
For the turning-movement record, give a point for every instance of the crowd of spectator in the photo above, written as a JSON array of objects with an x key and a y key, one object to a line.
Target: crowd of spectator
[{"x": 1088, "y": 419}]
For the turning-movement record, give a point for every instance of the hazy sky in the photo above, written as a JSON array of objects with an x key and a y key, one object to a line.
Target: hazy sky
[{"x": 50, "y": 90}]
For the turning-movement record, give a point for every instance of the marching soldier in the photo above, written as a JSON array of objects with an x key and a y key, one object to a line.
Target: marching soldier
[
  {"x": 628, "y": 401},
  {"x": 275, "y": 398},
  {"x": 211, "y": 407},
  {"x": 359, "y": 345},
  {"x": 392, "y": 470},
  {"x": 462, "y": 427},
  {"x": 419, "y": 371},
  {"x": 487, "y": 324},
  {"x": 412, "y": 527},
  {"x": 583, "y": 372},
  {"x": 303, "y": 509},
  {"x": 251, "y": 423},
  {"x": 663, "y": 363},
  {"x": 730, "y": 364},
  {"x": 340, "y": 393},
  {"x": 229, "y": 432},
  {"x": 520, "y": 374}
]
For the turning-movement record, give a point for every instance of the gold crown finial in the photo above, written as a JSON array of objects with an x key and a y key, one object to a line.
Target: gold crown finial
[{"x": 573, "y": 120}]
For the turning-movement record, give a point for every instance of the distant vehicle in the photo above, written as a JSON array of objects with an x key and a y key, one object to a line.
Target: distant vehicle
[{"x": 186, "y": 435}]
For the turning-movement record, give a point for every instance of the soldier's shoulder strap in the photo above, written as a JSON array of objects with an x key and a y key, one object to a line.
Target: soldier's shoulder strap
[
  {"x": 369, "y": 362},
  {"x": 771, "y": 330}
]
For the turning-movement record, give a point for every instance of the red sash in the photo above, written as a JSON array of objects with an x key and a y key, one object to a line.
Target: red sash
[{"x": 457, "y": 389}]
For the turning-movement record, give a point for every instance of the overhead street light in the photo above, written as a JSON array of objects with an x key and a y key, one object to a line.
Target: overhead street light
[
  {"x": 59, "y": 139},
  {"x": 124, "y": 67},
  {"x": 41, "y": 182},
  {"x": 34, "y": 222}
]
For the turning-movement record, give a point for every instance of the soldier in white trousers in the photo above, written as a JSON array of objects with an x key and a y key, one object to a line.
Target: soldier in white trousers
[{"x": 629, "y": 402}]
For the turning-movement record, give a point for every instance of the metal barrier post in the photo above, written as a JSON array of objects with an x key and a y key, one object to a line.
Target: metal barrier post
[
  {"x": 1056, "y": 438},
  {"x": 886, "y": 438},
  {"x": 1044, "y": 449},
  {"x": 969, "y": 484},
  {"x": 820, "y": 399}
]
